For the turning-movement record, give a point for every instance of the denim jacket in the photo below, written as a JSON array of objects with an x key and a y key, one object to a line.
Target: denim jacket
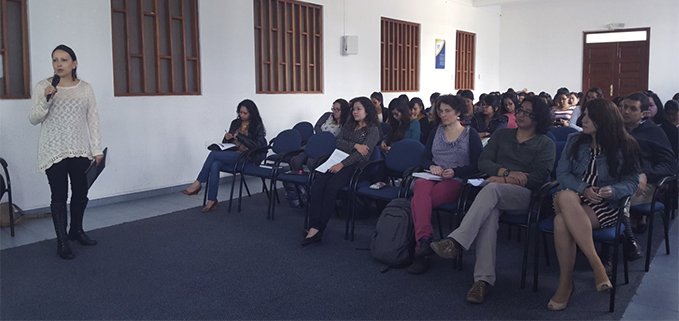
[{"x": 569, "y": 172}]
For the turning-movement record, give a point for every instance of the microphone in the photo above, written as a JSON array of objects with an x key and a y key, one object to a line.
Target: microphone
[{"x": 55, "y": 81}]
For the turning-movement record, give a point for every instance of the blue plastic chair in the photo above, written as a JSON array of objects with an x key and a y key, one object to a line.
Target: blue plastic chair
[
  {"x": 6, "y": 187},
  {"x": 561, "y": 133},
  {"x": 305, "y": 129},
  {"x": 612, "y": 235},
  {"x": 403, "y": 159},
  {"x": 665, "y": 190},
  {"x": 318, "y": 146},
  {"x": 286, "y": 144}
]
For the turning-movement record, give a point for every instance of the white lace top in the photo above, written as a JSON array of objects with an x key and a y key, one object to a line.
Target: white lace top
[{"x": 70, "y": 123}]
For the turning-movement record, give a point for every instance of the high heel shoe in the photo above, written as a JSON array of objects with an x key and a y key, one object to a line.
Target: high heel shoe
[
  {"x": 555, "y": 306},
  {"x": 186, "y": 191},
  {"x": 317, "y": 238},
  {"x": 604, "y": 286},
  {"x": 209, "y": 207}
]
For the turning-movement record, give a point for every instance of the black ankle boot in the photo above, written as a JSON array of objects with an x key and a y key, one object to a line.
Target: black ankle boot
[
  {"x": 59, "y": 220},
  {"x": 76, "y": 232}
]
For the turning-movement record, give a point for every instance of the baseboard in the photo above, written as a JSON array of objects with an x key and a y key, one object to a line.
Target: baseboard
[{"x": 130, "y": 197}]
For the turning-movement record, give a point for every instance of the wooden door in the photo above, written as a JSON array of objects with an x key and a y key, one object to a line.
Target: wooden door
[{"x": 617, "y": 68}]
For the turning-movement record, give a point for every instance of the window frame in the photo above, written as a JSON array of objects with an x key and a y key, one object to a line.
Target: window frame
[
  {"x": 158, "y": 58},
  {"x": 465, "y": 60},
  {"x": 400, "y": 68},
  {"x": 5, "y": 47},
  {"x": 276, "y": 75}
]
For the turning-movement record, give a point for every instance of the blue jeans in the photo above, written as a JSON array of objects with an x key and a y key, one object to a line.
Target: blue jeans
[{"x": 215, "y": 162}]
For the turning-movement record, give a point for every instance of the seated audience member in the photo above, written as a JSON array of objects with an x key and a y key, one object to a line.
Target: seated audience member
[
  {"x": 508, "y": 104},
  {"x": 562, "y": 110},
  {"x": 331, "y": 122},
  {"x": 597, "y": 168},
  {"x": 488, "y": 120},
  {"x": 468, "y": 97},
  {"x": 419, "y": 114},
  {"x": 521, "y": 96},
  {"x": 675, "y": 97},
  {"x": 432, "y": 106},
  {"x": 592, "y": 93},
  {"x": 660, "y": 118},
  {"x": 246, "y": 132},
  {"x": 401, "y": 125},
  {"x": 477, "y": 106},
  {"x": 657, "y": 162},
  {"x": 382, "y": 113},
  {"x": 452, "y": 151},
  {"x": 574, "y": 99},
  {"x": 518, "y": 161},
  {"x": 671, "y": 108},
  {"x": 357, "y": 138}
]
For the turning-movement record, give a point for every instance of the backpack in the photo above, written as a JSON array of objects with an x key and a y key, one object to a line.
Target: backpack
[{"x": 393, "y": 242}]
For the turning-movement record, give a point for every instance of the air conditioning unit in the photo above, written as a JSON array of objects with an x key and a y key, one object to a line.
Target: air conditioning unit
[{"x": 349, "y": 45}]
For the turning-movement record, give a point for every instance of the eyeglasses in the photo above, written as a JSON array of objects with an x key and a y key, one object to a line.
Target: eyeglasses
[
  {"x": 522, "y": 111},
  {"x": 335, "y": 109}
]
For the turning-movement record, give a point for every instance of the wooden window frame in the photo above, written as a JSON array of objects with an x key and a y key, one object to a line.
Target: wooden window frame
[
  {"x": 6, "y": 47},
  {"x": 465, "y": 59},
  {"x": 187, "y": 86},
  {"x": 400, "y": 56},
  {"x": 288, "y": 47}
]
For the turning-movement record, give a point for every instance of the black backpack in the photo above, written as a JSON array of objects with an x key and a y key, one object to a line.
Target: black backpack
[{"x": 394, "y": 240}]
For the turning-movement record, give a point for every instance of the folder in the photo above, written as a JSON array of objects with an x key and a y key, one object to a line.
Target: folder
[{"x": 94, "y": 170}]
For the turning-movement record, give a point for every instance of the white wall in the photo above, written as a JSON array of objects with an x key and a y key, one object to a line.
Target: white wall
[
  {"x": 541, "y": 42},
  {"x": 158, "y": 142}
]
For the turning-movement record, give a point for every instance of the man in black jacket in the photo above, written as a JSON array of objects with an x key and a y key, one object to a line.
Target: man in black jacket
[{"x": 658, "y": 160}]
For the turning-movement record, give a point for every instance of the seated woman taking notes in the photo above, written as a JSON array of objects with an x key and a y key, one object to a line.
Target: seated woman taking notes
[
  {"x": 452, "y": 151},
  {"x": 246, "y": 132},
  {"x": 358, "y": 138}
]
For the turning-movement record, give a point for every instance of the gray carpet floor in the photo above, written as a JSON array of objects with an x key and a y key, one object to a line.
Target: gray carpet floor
[{"x": 219, "y": 265}]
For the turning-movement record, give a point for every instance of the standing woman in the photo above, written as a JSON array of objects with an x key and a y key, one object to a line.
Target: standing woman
[
  {"x": 598, "y": 167},
  {"x": 357, "y": 138},
  {"x": 246, "y": 132},
  {"x": 69, "y": 140}
]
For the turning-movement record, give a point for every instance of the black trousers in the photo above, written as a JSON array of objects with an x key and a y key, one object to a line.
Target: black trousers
[
  {"x": 58, "y": 175},
  {"x": 324, "y": 196}
]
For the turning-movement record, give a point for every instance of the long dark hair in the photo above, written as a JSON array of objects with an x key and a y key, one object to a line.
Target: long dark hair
[
  {"x": 542, "y": 115},
  {"x": 611, "y": 136},
  {"x": 510, "y": 96},
  {"x": 255, "y": 119},
  {"x": 345, "y": 110},
  {"x": 371, "y": 112},
  {"x": 398, "y": 128},
  {"x": 71, "y": 53}
]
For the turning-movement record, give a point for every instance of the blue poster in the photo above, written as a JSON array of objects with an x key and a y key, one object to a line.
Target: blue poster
[{"x": 440, "y": 54}]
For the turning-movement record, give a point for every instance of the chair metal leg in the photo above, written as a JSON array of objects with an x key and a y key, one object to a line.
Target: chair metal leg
[
  {"x": 651, "y": 218},
  {"x": 233, "y": 187},
  {"x": 207, "y": 184},
  {"x": 245, "y": 183},
  {"x": 536, "y": 260},
  {"x": 438, "y": 221},
  {"x": 666, "y": 226},
  {"x": 544, "y": 240},
  {"x": 524, "y": 265}
]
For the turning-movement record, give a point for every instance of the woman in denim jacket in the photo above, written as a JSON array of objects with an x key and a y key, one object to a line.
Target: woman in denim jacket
[{"x": 598, "y": 167}]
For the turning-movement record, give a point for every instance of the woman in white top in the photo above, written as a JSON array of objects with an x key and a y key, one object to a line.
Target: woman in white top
[{"x": 69, "y": 140}]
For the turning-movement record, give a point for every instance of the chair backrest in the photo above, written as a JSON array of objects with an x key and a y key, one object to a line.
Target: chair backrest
[
  {"x": 305, "y": 129},
  {"x": 403, "y": 155},
  {"x": 320, "y": 144},
  {"x": 287, "y": 140},
  {"x": 561, "y": 133},
  {"x": 5, "y": 185}
]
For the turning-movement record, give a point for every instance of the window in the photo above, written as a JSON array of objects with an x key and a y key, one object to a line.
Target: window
[
  {"x": 465, "y": 55},
  {"x": 155, "y": 47},
  {"x": 14, "y": 72},
  {"x": 400, "y": 55},
  {"x": 288, "y": 47}
]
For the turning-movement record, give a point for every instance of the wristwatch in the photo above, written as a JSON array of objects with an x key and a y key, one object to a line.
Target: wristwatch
[{"x": 505, "y": 175}]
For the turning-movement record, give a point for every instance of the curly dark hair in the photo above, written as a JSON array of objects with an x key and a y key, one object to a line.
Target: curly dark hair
[
  {"x": 542, "y": 115},
  {"x": 611, "y": 136},
  {"x": 454, "y": 101},
  {"x": 371, "y": 112}
]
